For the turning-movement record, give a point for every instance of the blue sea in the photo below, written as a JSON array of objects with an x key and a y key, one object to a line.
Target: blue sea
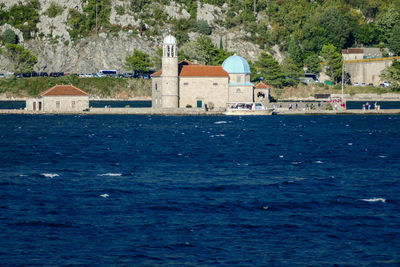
[{"x": 199, "y": 190}]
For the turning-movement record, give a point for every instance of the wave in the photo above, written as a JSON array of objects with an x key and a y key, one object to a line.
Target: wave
[
  {"x": 104, "y": 195},
  {"x": 375, "y": 199},
  {"x": 49, "y": 175},
  {"x": 110, "y": 174},
  {"x": 220, "y": 122}
]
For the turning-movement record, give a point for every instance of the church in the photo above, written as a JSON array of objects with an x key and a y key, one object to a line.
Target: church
[{"x": 190, "y": 85}]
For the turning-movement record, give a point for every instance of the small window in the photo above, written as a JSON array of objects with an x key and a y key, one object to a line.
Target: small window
[
  {"x": 172, "y": 51},
  {"x": 57, "y": 104},
  {"x": 215, "y": 84},
  {"x": 168, "y": 52},
  {"x": 185, "y": 83},
  {"x": 238, "y": 90},
  {"x": 156, "y": 87},
  {"x": 73, "y": 104}
]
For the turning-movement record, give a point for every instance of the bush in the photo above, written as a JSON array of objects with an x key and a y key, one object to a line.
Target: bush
[
  {"x": 188, "y": 106},
  {"x": 120, "y": 10},
  {"x": 9, "y": 37},
  {"x": 203, "y": 27},
  {"x": 54, "y": 10}
]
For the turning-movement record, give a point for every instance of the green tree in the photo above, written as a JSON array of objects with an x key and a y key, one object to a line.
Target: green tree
[
  {"x": 203, "y": 51},
  {"x": 9, "y": 37},
  {"x": 54, "y": 10},
  {"x": 333, "y": 61},
  {"x": 336, "y": 26},
  {"x": 295, "y": 53},
  {"x": 291, "y": 71},
  {"x": 139, "y": 61},
  {"x": 392, "y": 74},
  {"x": 385, "y": 23},
  {"x": 394, "y": 40},
  {"x": 25, "y": 17},
  {"x": 269, "y": 68},
  {"x": 22, "y": 59},
  {"x": 313, "y": 64},
  {"x": 203, "y": 27},
  {"x": 366, "y": 34}
]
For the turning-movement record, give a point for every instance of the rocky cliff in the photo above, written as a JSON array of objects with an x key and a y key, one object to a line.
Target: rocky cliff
[{"x": 57, "y": 51}]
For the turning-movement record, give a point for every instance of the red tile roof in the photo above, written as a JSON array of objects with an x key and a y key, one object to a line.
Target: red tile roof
[
  {"x": 261, "y": 85},
  {"x": 195, "y": 70},
  {"x": 63, "y": 90},
  {"x": 353, "y": 51},
  {"x": 202, "y": 71},
  {"x": 157, "y": 73}
]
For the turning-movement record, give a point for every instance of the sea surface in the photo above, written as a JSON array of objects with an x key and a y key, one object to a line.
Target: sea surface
[{"x": 199, "y": 190}]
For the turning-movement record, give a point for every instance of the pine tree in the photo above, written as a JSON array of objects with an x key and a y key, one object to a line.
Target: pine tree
[
  {"x": 270, "y": 69},
  {"x": 333, "y": 61},
  {"x": 394, "y": 40}
]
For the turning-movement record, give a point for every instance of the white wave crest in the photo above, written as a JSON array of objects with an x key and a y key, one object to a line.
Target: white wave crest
[
  {"x": 111, "y": 174},
  {"x": 49, "y": 175},
  {"x": 104, "y": 195},
  {"x": 220, "y": 122},
  {"x": 375, "y": 199}
]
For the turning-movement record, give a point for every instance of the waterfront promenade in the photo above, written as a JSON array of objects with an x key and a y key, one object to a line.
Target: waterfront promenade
[{"x": 194, "y": 111}]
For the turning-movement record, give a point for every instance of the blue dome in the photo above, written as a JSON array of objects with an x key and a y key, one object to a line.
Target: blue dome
[{"x": 236, "y": 64}]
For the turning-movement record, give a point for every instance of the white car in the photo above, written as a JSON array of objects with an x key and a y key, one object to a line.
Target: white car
[{"x": 355, "y": 84}]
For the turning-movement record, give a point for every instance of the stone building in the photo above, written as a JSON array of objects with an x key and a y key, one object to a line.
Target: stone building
[
  {"x": 59, "y": 98},
  {"x": 186, "y": 84},
  {"x": 262, "y": 92}
]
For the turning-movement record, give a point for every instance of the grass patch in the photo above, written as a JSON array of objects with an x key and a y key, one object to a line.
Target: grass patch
[{"x": 104, "y": 87}]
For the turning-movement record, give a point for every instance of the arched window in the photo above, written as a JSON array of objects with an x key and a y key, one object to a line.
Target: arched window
[
  {"x": 172, "y": 51},
  {"x": 168, "y": 51}
]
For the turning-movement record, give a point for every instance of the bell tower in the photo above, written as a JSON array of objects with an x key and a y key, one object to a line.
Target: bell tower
[{"x": 170, "y": 90}]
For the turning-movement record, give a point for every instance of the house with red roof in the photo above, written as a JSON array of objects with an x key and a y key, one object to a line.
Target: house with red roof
[{"x": 59, "y": 98}]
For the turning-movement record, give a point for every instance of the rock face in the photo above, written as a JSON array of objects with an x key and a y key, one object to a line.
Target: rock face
[{"x": 57, "y": 52}]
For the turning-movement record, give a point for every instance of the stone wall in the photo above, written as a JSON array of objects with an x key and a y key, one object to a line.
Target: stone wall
[
  {"x": 61, "y": 103},
  {"x": 208, "y": 90},
  {"x": 367, "y": 72}
]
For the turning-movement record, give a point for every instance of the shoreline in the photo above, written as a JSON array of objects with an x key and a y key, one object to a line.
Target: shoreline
[{"x": 182, "y": 112}]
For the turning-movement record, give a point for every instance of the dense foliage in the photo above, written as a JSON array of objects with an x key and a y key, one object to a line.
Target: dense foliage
[
  {"x": 22, "y": 59},
  {"x": 95, "y": 17},
  {"x": 54, "y": 10},
  {"x": 139, "y": 61},
  {"x": 22, "y": 16},
  {"x": 9, "y": 37},
  {"x": 392, "y": 74}
]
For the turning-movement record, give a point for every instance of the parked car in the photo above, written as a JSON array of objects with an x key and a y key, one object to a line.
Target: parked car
[
  {"x": 43, "y": 74},
  {"x": 370, "y": 84},
  {"x": 355, "y": 84},
  {"x": 2, "y": 75},
  {"x": 363, "y": 84}
]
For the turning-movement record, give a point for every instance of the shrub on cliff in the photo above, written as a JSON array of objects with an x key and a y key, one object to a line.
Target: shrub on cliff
[
  {"x": 22, "y": 59},
  {"x": 9, "y": 37},
  {"x": 54, "y": 10}
]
